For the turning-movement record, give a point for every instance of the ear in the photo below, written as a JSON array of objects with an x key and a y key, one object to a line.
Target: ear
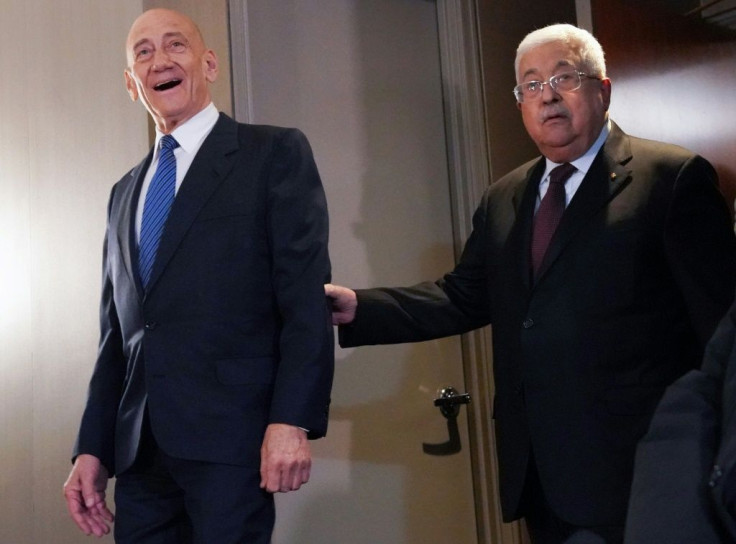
[
  {"x": 130, "y": 85},
  {"x": 210, "y": 65},
  {"x": 606, "y": 92}
]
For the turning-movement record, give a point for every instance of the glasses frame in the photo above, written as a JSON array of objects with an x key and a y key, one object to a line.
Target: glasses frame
[{"x": 552, "y": 82}]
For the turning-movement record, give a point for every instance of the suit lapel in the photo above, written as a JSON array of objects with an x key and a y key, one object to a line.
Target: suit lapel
[
  {"x": 213, "y": 162},
  {"x": 130, "y": 193},
  {"x": 605, "y": 179},
  {"x": 524, "y": 201}
]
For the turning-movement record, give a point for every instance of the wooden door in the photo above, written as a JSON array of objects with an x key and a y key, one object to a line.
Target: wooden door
[{"x": 362, "y": 79}]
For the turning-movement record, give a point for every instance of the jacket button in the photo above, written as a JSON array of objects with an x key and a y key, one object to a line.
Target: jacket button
[
  {"x": 528, "y": 323},
  {"x": 715, "y": 476},
  {"x": 151, "y": 325}
]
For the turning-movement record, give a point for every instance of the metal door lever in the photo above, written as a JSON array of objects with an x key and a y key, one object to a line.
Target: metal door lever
[{"x": 449, "y": 402}]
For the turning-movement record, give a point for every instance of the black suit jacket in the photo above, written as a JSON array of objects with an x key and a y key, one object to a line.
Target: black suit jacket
[
  {"x": 640, "y": 270},
  {"x": 720, "y": 362},
  {"x": 233, "y": 332},
  {"x": 684, "y": 489}
]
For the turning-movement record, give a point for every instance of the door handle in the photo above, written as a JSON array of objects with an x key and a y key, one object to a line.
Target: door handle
[{"x": 449, "y": 402}]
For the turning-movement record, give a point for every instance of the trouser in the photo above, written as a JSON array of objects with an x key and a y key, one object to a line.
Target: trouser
[
  {"x": 545, "y": 527},
  {"x": 165, "y": 500}
]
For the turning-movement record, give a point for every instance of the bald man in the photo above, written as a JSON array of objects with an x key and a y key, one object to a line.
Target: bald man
[{"x": 215, "y": 360}]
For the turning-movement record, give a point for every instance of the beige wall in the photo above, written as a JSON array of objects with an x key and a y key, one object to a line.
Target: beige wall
[{"x": 67, "y": 132}]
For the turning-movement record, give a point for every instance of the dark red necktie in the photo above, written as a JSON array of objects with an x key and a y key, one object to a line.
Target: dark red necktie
[{"x": 549, "y": 213}]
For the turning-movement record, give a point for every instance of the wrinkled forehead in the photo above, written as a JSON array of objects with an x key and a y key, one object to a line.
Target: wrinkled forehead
[
  {"x": 154, "y": 25},
  {"x": 549, "y": 58}
]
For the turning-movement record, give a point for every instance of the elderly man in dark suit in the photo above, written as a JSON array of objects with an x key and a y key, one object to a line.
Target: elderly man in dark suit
[
  {"x": 216, "y": 354},
  {"x": 603, "y": 267}
]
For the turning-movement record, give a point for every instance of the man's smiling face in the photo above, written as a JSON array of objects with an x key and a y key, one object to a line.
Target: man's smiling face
[{"x": 169, "y": 68}]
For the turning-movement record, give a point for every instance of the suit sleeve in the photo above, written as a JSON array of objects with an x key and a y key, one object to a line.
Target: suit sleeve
[
  {"x": 720, "y": 362},
  {"x": 97, "y": 429},
  {"x": 298, "y": 236},
  {"x": 669, "y": 499},
  {"x": 454, "y": 304},
  {"x": 700, "y": 245},
  {"x": 684, "y": 474}
]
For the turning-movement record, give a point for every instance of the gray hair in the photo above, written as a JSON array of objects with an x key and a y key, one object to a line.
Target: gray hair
[{"x": 591, "y": 52}]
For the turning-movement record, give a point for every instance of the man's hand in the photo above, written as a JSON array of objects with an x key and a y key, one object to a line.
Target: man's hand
[
  {"x": 344, "y": 303},
  {"x": 285, "y": 458},
  {"x": 84, "y": 492}
]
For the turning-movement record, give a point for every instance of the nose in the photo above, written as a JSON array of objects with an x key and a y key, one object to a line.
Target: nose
[
  {"x": 161, "y": 60},
  {"x": 548, "y": 93}
]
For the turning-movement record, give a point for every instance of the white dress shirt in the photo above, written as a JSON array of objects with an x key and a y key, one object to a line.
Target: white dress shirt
[
  {"x": 581, "y": 163},
  {"x": 190, "y": 136}
]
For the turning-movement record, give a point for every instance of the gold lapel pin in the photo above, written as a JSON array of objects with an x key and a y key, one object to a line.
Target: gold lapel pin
[{"x": 613, "y": 176}]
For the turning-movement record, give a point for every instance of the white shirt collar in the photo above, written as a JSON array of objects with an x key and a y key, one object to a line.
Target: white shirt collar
[
  {"x": 193, "y": 131},
  {"x": 583, "y": 162}
]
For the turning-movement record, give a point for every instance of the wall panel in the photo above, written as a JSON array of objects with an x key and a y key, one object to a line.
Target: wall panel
[
  {"x": 673, "y": 78},
  {"x": 68, "y": 132}
]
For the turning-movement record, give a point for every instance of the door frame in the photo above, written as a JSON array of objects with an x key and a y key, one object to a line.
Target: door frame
[{"x": 469, "y": 174}]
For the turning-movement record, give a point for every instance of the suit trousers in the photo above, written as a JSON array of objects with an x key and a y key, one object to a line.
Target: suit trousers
[
  {"x": 545, "y": 527},
  {"x": 166, "y": 500}
]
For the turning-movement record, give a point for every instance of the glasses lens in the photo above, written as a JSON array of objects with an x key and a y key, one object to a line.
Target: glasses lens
[
  {"x": 566, "y": 81},
  {"x": 528, "y": 90}
]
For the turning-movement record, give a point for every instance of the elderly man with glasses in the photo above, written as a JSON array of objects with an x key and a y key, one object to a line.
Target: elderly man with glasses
[{"x": 603, "y": 267}]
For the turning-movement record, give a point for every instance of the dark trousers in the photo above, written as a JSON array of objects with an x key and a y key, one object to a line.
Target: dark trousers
[
  {"x": 545, "y": 527},
  {"x": 164, "y": 500}
]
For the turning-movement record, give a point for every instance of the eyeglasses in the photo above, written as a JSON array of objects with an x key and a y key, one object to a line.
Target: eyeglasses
[{"x": 561, "y": 83}]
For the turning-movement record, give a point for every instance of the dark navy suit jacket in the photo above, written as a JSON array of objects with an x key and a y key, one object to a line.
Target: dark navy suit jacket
[{"x": 233, "y": 332}]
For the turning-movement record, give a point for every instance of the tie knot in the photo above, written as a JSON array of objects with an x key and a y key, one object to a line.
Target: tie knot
[
  {"x": 169, "y": 142},
  {"x": 561, "y": 173}
]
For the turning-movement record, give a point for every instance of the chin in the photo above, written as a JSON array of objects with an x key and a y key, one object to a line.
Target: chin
[{"x": 169, "y": 112}]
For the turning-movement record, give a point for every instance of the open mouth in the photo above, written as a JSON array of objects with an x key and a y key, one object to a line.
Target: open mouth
[{"x": 166, "y": 85}]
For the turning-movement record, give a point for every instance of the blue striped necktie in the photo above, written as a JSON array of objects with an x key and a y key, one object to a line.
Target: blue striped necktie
[{"x": 156, "y": 208}]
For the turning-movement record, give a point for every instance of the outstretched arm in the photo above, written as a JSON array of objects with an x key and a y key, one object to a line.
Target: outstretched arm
[{"x": 454, "y": 304}]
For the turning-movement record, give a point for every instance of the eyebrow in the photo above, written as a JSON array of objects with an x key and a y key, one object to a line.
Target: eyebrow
[
  {"x": 560, "y": 64},
  {"x": 137, "y": 44},
  {"x": 166, "y": 36}
]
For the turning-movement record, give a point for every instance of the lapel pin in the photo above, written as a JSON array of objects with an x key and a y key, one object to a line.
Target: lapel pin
[{"x": 613, "y": 176}]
